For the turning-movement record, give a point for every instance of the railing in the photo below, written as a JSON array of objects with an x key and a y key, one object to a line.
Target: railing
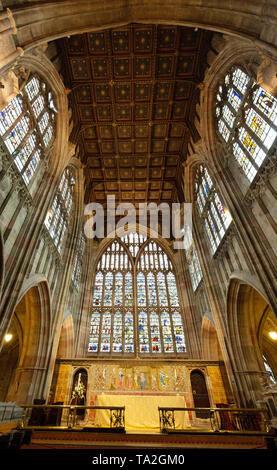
[
  {"x": 67, "y": 416},
  {"x": 72, "y": 417},
  {"x": 9, "y": 412},
  {"x": 235, "y": 420}
]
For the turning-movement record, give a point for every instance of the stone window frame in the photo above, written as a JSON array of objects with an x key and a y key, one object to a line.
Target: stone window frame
[
  {"x": 208, "y": 208},
  {"x": 134, "y": 269},
  {"x": 250, "y": 166},
  {"x": 59, "y": 215}
]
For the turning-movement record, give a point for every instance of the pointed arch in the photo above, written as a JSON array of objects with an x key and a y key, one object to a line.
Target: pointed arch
[
  {"x": 210, "y": 345},
  {"x": 250, "y": 320},
  {"x": 66, "y": 342},
  {"x": 141, "y": 293},
  {"x": 32, "y": 322}
]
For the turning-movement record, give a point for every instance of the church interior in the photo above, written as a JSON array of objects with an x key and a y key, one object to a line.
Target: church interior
[{"x": 150, "y": 102}]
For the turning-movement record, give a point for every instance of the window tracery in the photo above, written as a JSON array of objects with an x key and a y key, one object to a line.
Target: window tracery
[
  {"x": 216, "y": 218},
  {"x": 154, "y": 312},
  {"x": 27, "y": 126},
  {"x": 246, "y": 119}
]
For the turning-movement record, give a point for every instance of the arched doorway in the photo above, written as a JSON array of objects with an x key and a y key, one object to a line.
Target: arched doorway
[
  {"x": 25, "y": 355},
  {"x": 200, "y": 393},
  {"x": 79, "y": 390},
  {"x": 253, "y": 336}
]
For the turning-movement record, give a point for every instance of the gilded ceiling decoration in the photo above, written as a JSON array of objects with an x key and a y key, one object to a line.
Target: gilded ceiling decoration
[{"x": 133, "y": 96}]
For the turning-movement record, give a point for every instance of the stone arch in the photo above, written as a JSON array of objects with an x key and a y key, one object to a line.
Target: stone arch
[
  {"x": 31, "y": 321},
  {"x": 103, "y": 245},
  {"x": 210, "y": 345},
  {"x": 66, "y": 343},
  {"x": 191, "y": 337},
  {"x": 250, "y": 318},
  {"x": 246, "y": 20}
]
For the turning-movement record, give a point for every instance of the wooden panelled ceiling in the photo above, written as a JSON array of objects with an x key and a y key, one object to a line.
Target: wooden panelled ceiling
[{"x": 133, "y": 94}]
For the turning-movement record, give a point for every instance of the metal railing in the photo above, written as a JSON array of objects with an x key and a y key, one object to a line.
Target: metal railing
[
  {"x": 172, "y": 419},
  {"x": 233, "y": 420},
  {"x": 67, "y": 416},
  {"x": 9, "y": 412}
]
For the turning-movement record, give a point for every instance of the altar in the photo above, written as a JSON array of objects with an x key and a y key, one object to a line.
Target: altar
[{"x": 141, "y": 411}]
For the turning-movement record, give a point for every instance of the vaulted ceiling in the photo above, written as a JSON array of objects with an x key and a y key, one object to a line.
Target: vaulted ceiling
[{"x": 133, "y": 94}]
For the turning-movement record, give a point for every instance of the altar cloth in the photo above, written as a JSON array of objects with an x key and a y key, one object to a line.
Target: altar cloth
[{"x": 141, "y": 412}]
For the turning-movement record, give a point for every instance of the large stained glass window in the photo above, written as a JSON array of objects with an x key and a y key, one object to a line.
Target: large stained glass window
[
  {"x": 246, "y": 119},
  {"x": 27, "y": 126},
  {"x": 113, "y": 301},
  {"x": 152, "y": 323},
  {"x": 215, "y": 216},
  {"x": 58, "y": 215}
]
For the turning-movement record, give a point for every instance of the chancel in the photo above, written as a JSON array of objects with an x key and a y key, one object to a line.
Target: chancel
[{"x": 121, "y": 331}]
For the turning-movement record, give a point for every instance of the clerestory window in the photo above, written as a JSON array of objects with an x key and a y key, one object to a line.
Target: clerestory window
[
  {"x": 246, "y": 120},
  {"x": 215, "y": 216},
  {"x": 27, "y": 126},
  {"x": 58, "y": 216}
]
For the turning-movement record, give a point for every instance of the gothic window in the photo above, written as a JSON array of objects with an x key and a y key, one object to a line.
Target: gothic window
[
  {"x": 269, "y": 370},
  {"x": 216, "y": 218},
  {"x": 58, "y": 216},
  {"x": 27, "y": 126},
  {"x": 194, "y": 268},
  {"x": 246, "y": 119},
  {"x": 152, "y": 324},
  {"x": 78, "y": 260}
]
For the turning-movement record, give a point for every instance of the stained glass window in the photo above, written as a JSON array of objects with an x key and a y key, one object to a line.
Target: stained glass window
[
  {"x": 161, "y": 284},
  {"x": 133, "y": 262},
  {"x": 106, "y": 332},
  {"x": 167, "y": 332},
  {"x": 143, "y": 332},
  {"x": 141, "y": 291},
  {"x": 129, "y": 333},
  {"x": 26, "y": 126},
  {"x": 94, "y": 332},
  {"x": 117, "y": 332},
  {"x": 215, "y": 216},
  {"x": 58, "y": 216},
  {"x": 98, "y": 288},
  {"x": 269, "y": 371},
  {"x": 155, "y": 333},
  {"x": 246, "y": 118}
]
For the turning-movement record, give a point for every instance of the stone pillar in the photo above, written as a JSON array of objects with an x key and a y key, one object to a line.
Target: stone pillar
[{"x": 26, "y": 385}]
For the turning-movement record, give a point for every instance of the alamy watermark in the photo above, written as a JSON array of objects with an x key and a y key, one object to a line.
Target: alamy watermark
[{"x": 175, "y": 220}]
